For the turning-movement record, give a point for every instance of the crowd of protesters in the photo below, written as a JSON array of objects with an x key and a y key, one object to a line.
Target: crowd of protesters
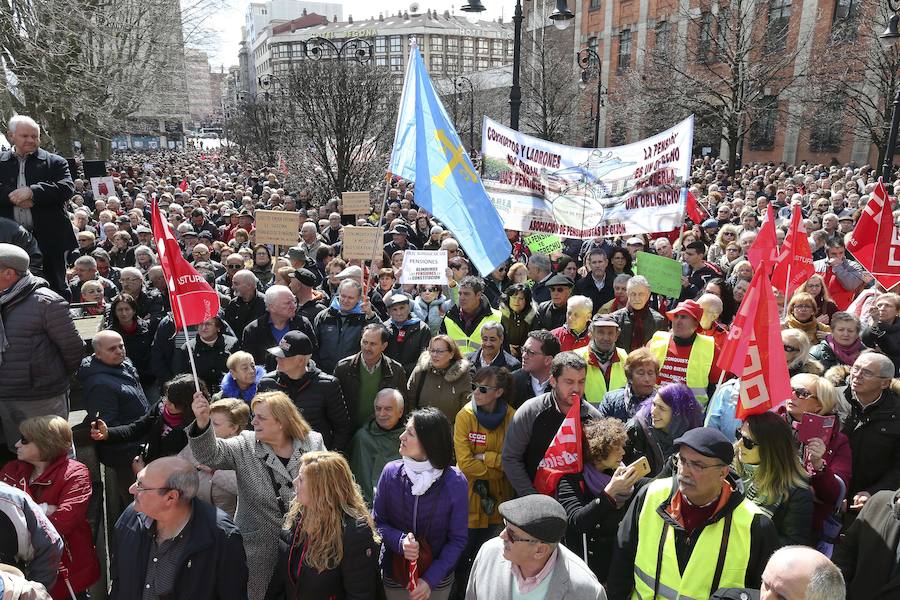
[{"x": 351, "y": 436}]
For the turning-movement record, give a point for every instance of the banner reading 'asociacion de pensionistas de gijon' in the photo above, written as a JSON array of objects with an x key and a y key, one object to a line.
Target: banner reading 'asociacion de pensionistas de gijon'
[{"x": 541, "y": 187}]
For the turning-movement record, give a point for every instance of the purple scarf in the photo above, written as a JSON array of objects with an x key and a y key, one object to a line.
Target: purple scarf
[
  {"x": 846, "y": 355},
  {"x": 596, "y": 481}
]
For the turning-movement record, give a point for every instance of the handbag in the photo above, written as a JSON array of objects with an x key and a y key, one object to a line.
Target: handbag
[{"x": 400, "y": 571}]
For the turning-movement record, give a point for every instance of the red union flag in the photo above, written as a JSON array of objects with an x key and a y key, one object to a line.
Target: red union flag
[
  {"x": 795, "y": 260},
  {"x": 188, "y": 290},
  {"x": 765, "y": 247},
  {"x": 563, "y": 456},
  {"x": 694, "y": 210},
  {"x": 754, "y": 350},
  {"x": 874, "y": 242}
]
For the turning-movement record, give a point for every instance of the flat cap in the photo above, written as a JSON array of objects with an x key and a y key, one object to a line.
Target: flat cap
[
  {"x": 352, "y": 271},
  {"x": 297, "y": 253},
  {"x": 540, "y": 516},
  {"x": 396, "y": 298},
  {"x": 143, "y": 229},
  {"x": 708, "y": 442},
  {"x": 604, "y": 321},
  {"x": 560, "y": 279},
  {"x": 14, "y": 257},
  {"x": 304, "y": 276}
]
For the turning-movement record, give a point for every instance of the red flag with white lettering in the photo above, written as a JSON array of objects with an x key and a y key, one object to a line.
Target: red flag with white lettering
[
  {"x": 755, "y": 351},
  {"x": 193, "y": 299},
  {"x": 795, "y": 260},
  {"x": 694, "y": 211},
  {"x": 765, "y": 246},
  {"x": 874, "y": 242},
  {"x": 563, "y": 456}
]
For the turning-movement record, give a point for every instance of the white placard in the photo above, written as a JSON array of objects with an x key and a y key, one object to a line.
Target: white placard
[
  {"x": 424, "y": 266},
  {"x": 103, "y": 187}
]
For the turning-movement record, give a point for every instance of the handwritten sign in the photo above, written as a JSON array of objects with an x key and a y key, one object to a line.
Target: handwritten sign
[
  {"x": 355, "y": 203},
  {"x": 543, "y": 243},
  {"x": 103, "y": 187},
  {"x": 424, "y": 266},
  {"x": 363, "y": 243},
  {"x": 279, "y": 227},
  {"x": 664, "y": 274}
]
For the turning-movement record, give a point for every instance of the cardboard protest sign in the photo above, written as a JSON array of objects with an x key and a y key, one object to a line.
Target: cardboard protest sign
[
  {"x": 103, "y": 187},
  {"x": 424, "y": 266},
  {"x": 363, "y": 243},
  {"x": 355, "y": 203},
  {"x": 544, "y": 243},
  {"x": 664, "y": 274},
  {"x": 279, "y": 227}
]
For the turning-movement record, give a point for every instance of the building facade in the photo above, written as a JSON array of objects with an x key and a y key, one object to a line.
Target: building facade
[{"x": 201, "y": 102}]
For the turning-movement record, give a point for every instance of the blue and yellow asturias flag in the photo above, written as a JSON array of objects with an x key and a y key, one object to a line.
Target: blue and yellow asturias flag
[{"x": 428, "y": 151}]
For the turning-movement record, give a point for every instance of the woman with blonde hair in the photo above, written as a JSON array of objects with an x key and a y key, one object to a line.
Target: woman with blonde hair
[
  {"x": 329, "y": 547},
  {"x": 441, "y": 378},
  {"x": 266, "y": 461},
  {"x": 727, "y": 234},
  {"x": 242, "y": 377},
  {"x": 796, "y": 352},
  {"x": 826, "y": 307},
  {"x": 801, "y": 314}
]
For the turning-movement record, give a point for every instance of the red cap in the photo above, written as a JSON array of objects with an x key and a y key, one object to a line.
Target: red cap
[{"x": 689, "y": 307}]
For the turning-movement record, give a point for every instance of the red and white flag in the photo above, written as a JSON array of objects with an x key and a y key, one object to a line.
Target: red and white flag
[
  {"x": 754, "y": 350},
  {"x": 282, "y": 165},
  {"x": 563, "y": 456},
  {"x": 795, "y": 263},
  {"x": 874, "y": 242},
  {"x": 193, "y": 299},
  {"x": 694, "y": 211},
  {"x": 765, "y": 247}
]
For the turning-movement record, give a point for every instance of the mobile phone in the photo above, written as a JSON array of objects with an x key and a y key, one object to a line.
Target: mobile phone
[{"x": 641, "y": 467}]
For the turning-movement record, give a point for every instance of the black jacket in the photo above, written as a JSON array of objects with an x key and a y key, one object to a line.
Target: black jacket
[
  {"x": 138, "y": 347},
  {"x": 874, "y": 436},
  {"x": 407, "y": 343},
  {"x": 339, "y": 335},
  {"x": 550, "y": 317},
  {"x": 393, "y": 375},
  {"x": 763, "y": 542},
  {"x": 586, "y": 287},
  {"x": 239, "y": 314},
  {"x": 210, "y": 360},
  {"x": 868, "y": 550},
  {"x": 149, "y": 430},
  {"x": 493, "y": 290},
  {"x": 503, "y": 359},
  {"x": 258, "y": 338},
  {"x": 151, "y": 306},
  {"x": 522, "y": 389},
  {"x": 885, "y": 338},
  {"x": 13, "y": 233},
  {"x": 213, "y": 566},
  {"x": 355, "y": 577},
  {"x": 318, "y": 397},
  {"x": 625, "y": 317}
]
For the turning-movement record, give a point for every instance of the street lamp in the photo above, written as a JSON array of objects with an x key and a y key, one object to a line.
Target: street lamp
[
  {"x": 461, "y": 83},
  {"x": 888, "y": 39},
  {"x": 587, "y": 57},
  {"x": 317, "y": 48},
  {"x": 561, "y": 17}
]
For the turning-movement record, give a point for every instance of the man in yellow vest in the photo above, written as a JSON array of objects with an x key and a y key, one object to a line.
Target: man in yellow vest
[
  {"x": 464, "y": 321},
  {"x": 684, "y": 537},
  {"x": 684, "y": 355},
  {"x": 606, "y": 362}
]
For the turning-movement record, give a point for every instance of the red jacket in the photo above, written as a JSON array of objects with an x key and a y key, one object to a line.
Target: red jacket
[
  {"x": 65, "y": 484},
  {"x": 568, "y": 341}
]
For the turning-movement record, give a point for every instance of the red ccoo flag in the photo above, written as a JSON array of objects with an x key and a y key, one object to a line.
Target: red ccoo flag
[
  {"x": 758, "y": 357},
  {"x": 795, "y": 263},
  {"x": 765, "y": 247},
  {"x": 563, "y": 456},
  {"x": 874, "y": 242},
  {"x": 188, "y": 290},
  {"x": 694, "y": 211}
]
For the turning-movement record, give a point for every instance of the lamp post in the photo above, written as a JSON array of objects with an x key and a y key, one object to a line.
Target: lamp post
[
  {"x": 889, "y": 39},
  {"x": 317, "y": 48},
  {"x": 561, "y": 18},
  {"x": 587, "y": 57},
  {"x": 460, "y": 83}
]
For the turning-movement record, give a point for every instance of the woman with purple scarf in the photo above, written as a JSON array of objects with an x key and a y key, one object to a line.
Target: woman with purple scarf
[
  {"x": 596, "y": 499},
  {"x": 843, "y": 345}
]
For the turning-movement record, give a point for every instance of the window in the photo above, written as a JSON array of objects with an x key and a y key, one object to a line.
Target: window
[
  {"x": 437, "y": 43},
  {"x": 437, "y": 62},
  {"x": 396, "y": 63},
  {"x": 396, "y": 44},
  {"x": 844, "y": 26},
  {"x": 704, "y": 37},
  {"x": 380, "y": 44},
  {"x": 482, "y": 63},
  {"x": 827, "y": 128},
  {"x": 452, "y": 44},
  {"x": 298, "y": 50},
  {"x": 452, "y": 64},
  {"x": 662, "y": 36},
  {"x": 722, "y": 36},
  {"x": 496, "y": 62},
  {"x": 380, "y": 61},
  {"x": 775, "y": 37},
  {"x": 497, "y": 47},
  {"x": 624, "y": 50},
  {"x": 594, "y": 5},
  {"x": 593, "y": 43},
  {"x": 467, "y": 63},
  {"x": 482, "y": 46},
  {"x": 762, "y": 130},
  {"x": 617, "y": 133},
  {"x": 468, "y": 45},
  {"x": 510, "y": 49}
]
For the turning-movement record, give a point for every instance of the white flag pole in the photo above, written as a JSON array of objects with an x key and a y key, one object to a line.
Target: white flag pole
[{"x": 190, "y": 346}]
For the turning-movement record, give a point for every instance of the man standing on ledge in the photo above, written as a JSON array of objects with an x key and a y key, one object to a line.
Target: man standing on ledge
[{"x": 34, "y": 188}]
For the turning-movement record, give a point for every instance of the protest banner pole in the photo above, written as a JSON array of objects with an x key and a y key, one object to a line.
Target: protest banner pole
[
  {"x": 719, "y": 383},
  {"x": 190, "y": 347},
  {"x": 384, "y": 197},
  {"x": 787, "y": 291}
]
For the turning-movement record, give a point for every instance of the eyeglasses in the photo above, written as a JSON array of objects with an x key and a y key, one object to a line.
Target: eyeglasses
[
  {"x": 790, "y": 348},
  {"x": 747, "y": 442},
  {"x": 431, "y": 289},
  {"x": 24, "y": 440},
  {"x": 559, "y": 288},
  {"x": 530, "y": 352},
  {"x": 139, "y": 487},
  {"x": 806, "y": 306},
  {"x": 234, "y": 267},
  {"x": 728, "y": 234},
  {"x": 864, "y": 373},
  {"x": 801, "y": 392},
  {"x": 513, "y": 538},
  {"x": 438, "y": 351},
  {"x": 484, "y": 389},
  {"x": 693, "y": 465}
]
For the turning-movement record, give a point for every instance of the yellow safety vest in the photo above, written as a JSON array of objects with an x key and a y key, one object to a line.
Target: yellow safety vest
[
  {"x": 595, "y": 386},
  {"x": 699, "y": 362},
  {"x": 469, "y": 343},
  {"x": 723, "y": 545}
]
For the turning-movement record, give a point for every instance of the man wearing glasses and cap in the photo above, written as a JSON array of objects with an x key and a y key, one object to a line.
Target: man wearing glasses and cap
[
  {"x": 528, "y": 555},
  {"x": 689, "y": 535}
]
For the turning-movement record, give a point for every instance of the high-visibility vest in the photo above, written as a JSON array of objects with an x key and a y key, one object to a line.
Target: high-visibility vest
[
  {"x": 722, "y": 546},
  {"x": 595, "y": 386},
  {"x": 469, "y": 343},
  {"x": 699, "y": 361}
]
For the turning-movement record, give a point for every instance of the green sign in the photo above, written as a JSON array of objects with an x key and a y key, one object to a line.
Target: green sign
[
  {"x": 664, "y": 274},
  {"x": 543, "y": 243}
]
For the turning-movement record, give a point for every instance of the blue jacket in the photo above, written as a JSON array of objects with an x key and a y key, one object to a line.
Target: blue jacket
[
  {"x": 213, "y": 565},
  {"x": 339, "y": 336},
  {"x": 441, "y": 514}
]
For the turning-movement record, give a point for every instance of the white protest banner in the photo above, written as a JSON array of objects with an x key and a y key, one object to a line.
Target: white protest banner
[
  {"x": 355, "y": 203},
  {"x": 278, "y": 227},
  {"x": 424, "y": 266},
  {"x": 363, "y": 243},
  {"x": 541, "y": 187},
  {"x": 103, "y": 187}
]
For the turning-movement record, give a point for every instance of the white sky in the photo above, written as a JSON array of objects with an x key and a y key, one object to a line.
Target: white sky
[{"x": 227, "y": 24}]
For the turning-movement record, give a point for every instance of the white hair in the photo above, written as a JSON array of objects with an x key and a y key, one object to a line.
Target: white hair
[
  {"x": 638, "y": 281},
  {"x": 274, "y": 292},
  {"x": 23, "y": 120},
  {"x": 576, "y": 302},
  {"x": 396, "y": 395}
]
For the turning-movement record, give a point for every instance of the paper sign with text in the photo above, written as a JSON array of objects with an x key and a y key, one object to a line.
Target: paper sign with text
[
  {"x": 362, "y": 243},
  {"x": 279, "y": 227},
  {"x": 544, "y": 243},
  {"x": 355, "y": 203},
  {"x": 664, "y": 274},
  {"x": 424, "y": 266},
  {"x": 103, "y": 187}
]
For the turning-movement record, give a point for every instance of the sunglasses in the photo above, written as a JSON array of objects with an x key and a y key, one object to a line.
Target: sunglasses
[
  {"x": 483, "y": 389},
  {"x": 431, "y": 289},
  {"x": 801, "y": 392},
  {"x": 559, "y": 288},
  {"x": 234, "y": 267},
  {"x": 790, "y": 348},
  {"x": 747, "y": 442},
  {"x": 24, "y": 440}
]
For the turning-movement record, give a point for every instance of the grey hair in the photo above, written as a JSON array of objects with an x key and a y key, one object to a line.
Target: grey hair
[
  {"x": 143, "y": 250},
  {"x": 184, "y": 480},
  {"x": 476, "y": 284},
  {"x": 576, "y": 302},
  {"x": 273, "y": 293},
  {"x": 86, "y": 261},
  {"x": 636, "y": 281},
  {"x": 622, "y": 278},
  {"x": 541, "y": 261},
  {"x": 133, "y": 270},
  {"x": 826, "y": 583},
  {"x": 494, "y": 325},
  {"x": 884, "y": 364},
  {"x": 398, "y": 397},
  {"x": 351, "y": 283},
  {"x": 23, "y": 120}
]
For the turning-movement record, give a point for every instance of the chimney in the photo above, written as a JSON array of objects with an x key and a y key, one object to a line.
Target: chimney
[
  {"x": 446, "y": 14},
  {"x": 304, "y": 12},
  {"x": 350, "y": 18},
  {"x": 406, "y": 15},
  {"x": 334, "y": 18},
  {"x": 381, "y": 16}
]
